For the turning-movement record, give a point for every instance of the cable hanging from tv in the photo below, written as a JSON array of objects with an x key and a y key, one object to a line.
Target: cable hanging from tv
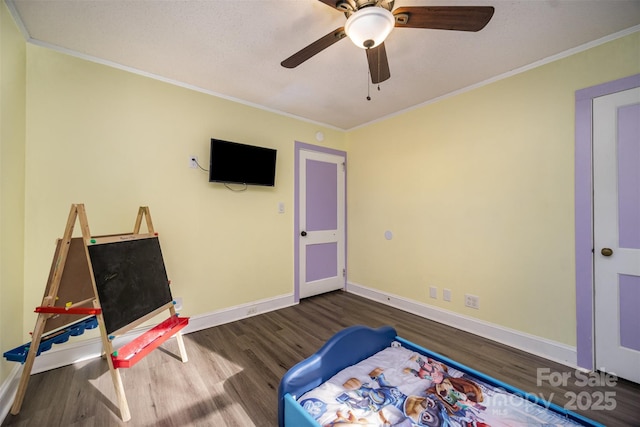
[
  {"x": 198, "y": 164},
  {"x": 237, "y": 190}
]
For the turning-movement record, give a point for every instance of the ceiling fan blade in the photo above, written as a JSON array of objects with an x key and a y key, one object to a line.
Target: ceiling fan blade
[
  {"x": 378, "y": 64},
  {"x": 460, "y": 18},
  {"x": 314, "y": 48}
]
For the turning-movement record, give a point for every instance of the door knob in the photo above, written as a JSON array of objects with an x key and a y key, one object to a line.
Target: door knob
[
  {"x": 303, "y": 233},
  {"x": 606, "y": 251}
]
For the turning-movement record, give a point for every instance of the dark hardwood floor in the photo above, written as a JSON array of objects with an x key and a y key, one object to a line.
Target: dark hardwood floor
[{"x": 234, "y": 370}]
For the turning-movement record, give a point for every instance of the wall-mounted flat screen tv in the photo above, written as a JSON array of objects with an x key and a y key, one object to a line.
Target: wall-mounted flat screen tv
[{"x": 235, "y": 163}]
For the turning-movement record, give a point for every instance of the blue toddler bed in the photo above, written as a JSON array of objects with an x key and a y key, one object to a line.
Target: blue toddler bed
[{"x": 372, "y": 377}]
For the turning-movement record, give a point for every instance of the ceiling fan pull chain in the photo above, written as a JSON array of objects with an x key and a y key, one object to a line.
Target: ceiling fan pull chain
[
  {"x": 379, "y": 71},
  {"x": 368, "y": 84}
]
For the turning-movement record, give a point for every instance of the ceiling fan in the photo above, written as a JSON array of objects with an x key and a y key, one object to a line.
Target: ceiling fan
[{"x": 369, "y": 22}]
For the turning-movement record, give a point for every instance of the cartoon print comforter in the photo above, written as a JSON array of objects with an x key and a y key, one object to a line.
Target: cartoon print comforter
[{"x": 400, "y": 388}]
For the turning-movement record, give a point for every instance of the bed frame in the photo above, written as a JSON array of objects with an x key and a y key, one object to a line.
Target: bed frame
[{"x": 354, "y": 344}]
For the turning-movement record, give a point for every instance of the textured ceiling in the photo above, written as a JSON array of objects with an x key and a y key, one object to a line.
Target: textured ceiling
[{"x": 233, "y": 48}]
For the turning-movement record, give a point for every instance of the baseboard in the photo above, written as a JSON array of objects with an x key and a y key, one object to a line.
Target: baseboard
[
  {"x": 552, "y": 350},
  {"x": 239, "y": 312},
  {"x": 8, "y": 390},
  {"x": 73, "y": 352}
]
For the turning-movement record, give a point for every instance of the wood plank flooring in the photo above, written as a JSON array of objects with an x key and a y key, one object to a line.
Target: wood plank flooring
[{"x": 234, "y": 370}]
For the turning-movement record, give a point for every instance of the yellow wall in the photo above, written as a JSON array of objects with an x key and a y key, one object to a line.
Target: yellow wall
[
  {"x": 114, "y": 141},
  {"x": 478, "y": 190},
  {"x": 12, "y": 138}
]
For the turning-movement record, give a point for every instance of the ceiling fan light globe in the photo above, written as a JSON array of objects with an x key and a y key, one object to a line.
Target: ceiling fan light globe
[{"x": 369, "y": 27}]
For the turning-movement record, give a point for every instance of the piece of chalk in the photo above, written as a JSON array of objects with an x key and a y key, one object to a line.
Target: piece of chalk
[
  {"x": 111, "y": 337},
  {"x": 115, "y": 354},
  {"x": 93, "y": 240},
  {"x": 69, "y": 304}
]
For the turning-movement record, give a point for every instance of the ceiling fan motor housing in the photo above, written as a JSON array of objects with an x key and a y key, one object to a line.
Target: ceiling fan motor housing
[{"x": 349, "y": 7}]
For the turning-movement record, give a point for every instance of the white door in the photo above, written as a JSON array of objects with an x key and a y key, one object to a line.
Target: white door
[
  {"x": 321, "y": 230},
  {"x": 616, "y": 185}
]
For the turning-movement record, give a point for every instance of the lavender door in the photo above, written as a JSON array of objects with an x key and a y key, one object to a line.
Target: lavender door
[
  {"x": 616, "y": 216},
  {"x": 321, "y": 222}
]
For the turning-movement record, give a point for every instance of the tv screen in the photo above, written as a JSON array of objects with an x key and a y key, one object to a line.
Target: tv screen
[{"x": 231, "y": 162}]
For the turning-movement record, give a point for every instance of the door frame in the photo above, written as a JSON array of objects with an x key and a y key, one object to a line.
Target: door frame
[
  {"x": 300, "y": 146},
  {"x": 584, "y": 244}
]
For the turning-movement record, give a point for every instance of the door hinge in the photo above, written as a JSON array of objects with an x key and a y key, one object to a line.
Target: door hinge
[
  {"x": 344, "y": 166},
  {"x": 344, "y": 272}
]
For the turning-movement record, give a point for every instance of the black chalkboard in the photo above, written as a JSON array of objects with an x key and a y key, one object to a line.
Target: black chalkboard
[{"x": 130, "y": 278}]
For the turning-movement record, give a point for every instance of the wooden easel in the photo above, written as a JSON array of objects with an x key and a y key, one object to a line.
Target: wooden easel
[{"x": 52, "y": 308}]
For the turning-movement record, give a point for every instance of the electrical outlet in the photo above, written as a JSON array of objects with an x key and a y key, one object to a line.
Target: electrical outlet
[
  {"x": 433, "y": 292},
  {"x": 446, "y": 294},
  {"x": 472, "y": 301},
  {"x": 193, "y": 162}
]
